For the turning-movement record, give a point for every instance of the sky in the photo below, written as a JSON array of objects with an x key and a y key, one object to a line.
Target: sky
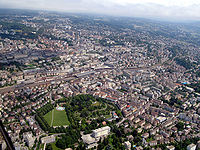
[{"x": 154, "y": 9}]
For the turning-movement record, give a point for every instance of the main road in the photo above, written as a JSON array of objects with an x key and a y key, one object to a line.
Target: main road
[
  {"x": 62, "y": 78},
  {"x": 23, "y": 85}
]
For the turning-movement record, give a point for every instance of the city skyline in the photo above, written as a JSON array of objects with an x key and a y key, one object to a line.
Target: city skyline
[{"x": 179, "y": 10}]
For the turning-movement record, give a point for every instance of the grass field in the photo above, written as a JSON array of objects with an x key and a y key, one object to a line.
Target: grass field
[
  {"x": 59, "y": 118},
  {"x": 107, "y": 116},
  {"x": 96, "y": 104}
]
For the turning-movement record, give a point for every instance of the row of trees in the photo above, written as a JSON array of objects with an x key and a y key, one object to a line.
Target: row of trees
[
  {"x": 42, "y": 122},
  {"x": 40, "y": 119},
  {"x": 45, "y": 109}
]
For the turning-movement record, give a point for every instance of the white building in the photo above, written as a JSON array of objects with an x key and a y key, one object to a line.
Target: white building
[
  {"x": 104, "y": 131},
  {"x": 191, "y": 147},
  {"x": 3, "y": 145},
  {"x": 48, "y": 139},
  {"x": 171, "y": 147},
  {"x": 127, "y": 145},
  {"x": 91, "y": 139}
]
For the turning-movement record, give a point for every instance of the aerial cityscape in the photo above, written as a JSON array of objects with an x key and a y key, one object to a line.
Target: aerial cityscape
[{"x": 76, "y": 81}]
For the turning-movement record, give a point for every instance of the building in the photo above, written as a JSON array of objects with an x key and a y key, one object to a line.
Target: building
[
  {"x": 29, "y": 139},
  {"x": 153, "y": 143},
  {"x": 198, "y": 144},
  {"x": 127, "y": 145},
  {"x": 191, "y": 147},
  {"x": 48, "y": 139},
  {"x": 171, "y": 147},
  {"x": 104, "y": 131},
  {"x": 17, "y": 146},
  {"x": 3, "y": 145},
  {"x": 145, "y": 135},
  {"x": 91, "y": 139}
]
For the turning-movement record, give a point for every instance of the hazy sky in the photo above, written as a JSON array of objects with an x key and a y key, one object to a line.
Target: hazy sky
[{"x": 163, "y": 9}]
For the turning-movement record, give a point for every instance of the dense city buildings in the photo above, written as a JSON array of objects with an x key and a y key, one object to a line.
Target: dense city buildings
[{"x": 74, "y": 81}]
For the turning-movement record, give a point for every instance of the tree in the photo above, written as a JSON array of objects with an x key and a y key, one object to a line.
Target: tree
[
  {"x": 180, "y": 126},
  {"x": 48, "y": 147},
  {"x": 81, "y": 146},
  {"x": 100, "y": 146},
  {"x": 134, "y": 133},
  {"x": 61, "y": 144}
]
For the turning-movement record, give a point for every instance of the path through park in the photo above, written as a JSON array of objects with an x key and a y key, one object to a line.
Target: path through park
[{"x": 52, "y": 118}]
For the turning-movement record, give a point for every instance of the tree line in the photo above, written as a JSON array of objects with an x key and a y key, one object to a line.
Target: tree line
[{"x": 39, "y": 116}]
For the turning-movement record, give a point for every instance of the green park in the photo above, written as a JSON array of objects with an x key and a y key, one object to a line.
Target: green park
[{"x": 56, "y": 118}]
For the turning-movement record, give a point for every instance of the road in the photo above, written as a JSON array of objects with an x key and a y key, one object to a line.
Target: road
[
  {"x": 120, "y": 122},
  {"x": 21, "y": 86},
  {"x": 45, "y": 145},
  {"x": 6, "y": 136}
]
